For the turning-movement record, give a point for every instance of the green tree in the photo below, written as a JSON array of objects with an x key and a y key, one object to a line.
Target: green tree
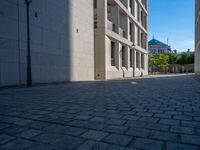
[
  {"x": 185, "y": 58},
  {"x": 172, "y": 58},
  {"x": 159, "y": 60}
]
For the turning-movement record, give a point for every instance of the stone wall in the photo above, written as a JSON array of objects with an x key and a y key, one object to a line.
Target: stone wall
[{"x": 189, "y": 68}]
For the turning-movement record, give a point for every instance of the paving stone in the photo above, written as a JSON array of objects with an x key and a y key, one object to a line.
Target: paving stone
[
  {"x": 173, "y": 112},
  {"x": 149, "y": 119},
  {"x": 23, "y": 122},
  {"x": 83, "y": 117},
  {"x": 99, "y": 119},
  {"x": 139, "y": 124},
  {"x": 118, "y": 139},
  {"x": 182, "y": 117},
  {"x": 4, "y": 125},
  {"x": 166, "y": 136},
  {"x": 17, "y": 144},
  {"x": 13, "y": 130},
  {"x": 29, "y": 133},
  {"x": 176, "y": 146},
  {"x": 163, "y": 116},
  {"x": 65, "y": 130},
  {"x": 94, "y": 135},
  {"x": 63, "y": 141},
  {"x": 116, "y": 121},
  {"x": 115, "y": 129},
  {"x": 184, "y": 130},
  {"x": 38, "y": 125},
  {"x": 91, "y": 145},
  {"x": 157, "y": 126},
  {"x": 138, "y": 132},
  {"x": 114, "y": 147},
  {"x": 5, "y": 138},
  {"x": 41, "y": 146},
  {"x": 169, "y": 122},
  {"x": 149, "y": 144},
  {"x": 145, "y": 114},
  {"x": 114, "y": 116},
  {"x": 190, "y": 139},
  {"x": 192, "y": 124},
  {"x": 131, "y": 117}
]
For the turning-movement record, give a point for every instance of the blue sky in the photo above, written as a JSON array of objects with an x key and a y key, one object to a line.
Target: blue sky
[{"x": 173, "y": 19}]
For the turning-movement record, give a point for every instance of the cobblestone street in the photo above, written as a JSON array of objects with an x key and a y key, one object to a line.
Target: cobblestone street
[{"x": 160, "y": 113}]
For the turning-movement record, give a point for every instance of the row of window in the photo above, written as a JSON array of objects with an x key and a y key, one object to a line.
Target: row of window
[
  {"x": 139, "y": 63},
  {"x": 159, "y": 51},
  {"x": 141, "y": 15},
  {"x": 141, "y": 36}
]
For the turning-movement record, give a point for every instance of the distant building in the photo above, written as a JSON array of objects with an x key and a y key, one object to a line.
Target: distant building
[
  {"x": 157, "y": 47},
  {"x": 197, "y": 37}
]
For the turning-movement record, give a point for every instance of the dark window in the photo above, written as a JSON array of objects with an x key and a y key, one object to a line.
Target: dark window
[
  {"x": 131, "y": 58},
  {"x": 95, "y": 3},
  {"x": 123, "y": 56},
  {"x": 137, "y": 60},
  {"x": 142, "y": 61},
  {"x": 130, "y": 3},
  {"x": 112, "y": 54}
]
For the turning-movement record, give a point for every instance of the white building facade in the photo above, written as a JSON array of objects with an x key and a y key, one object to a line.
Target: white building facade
[
  {"x": 62, "y": 41},
  {"x": 197, "y": 36},
  {"x": 121, "y": 38}
]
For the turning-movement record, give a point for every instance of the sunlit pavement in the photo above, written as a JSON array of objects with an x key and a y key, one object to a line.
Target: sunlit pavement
[{"x": 157, "y": 113}]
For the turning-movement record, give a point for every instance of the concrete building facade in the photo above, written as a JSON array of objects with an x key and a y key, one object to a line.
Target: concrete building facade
[
  {"x": 157, "y": 47},
  {"x": 197, "y": 36},
  {"x": 62, "y": 41},
  {"x": 69, "y": 43},
  {"x": 120, "y": 38}
]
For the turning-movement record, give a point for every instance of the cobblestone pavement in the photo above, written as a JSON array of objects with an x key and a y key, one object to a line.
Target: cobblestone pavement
[{"x": 153, "y": 113}]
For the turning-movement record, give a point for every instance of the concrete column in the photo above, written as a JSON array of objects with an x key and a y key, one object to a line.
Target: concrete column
[
  {"x": 127, "y": 27},
  {"x": 135, "y": 34},
  {"x": 102, "y": 13},
  {"x": 135, "y": 8}
]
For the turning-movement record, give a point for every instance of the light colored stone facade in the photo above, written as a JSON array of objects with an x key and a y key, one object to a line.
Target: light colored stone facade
[
  {"x": 197, "y": 36},
  {"x": 62, "y": 41},
  {"x": 121, "y": 38}
]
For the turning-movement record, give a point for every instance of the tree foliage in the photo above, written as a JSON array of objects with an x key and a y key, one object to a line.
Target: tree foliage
[
  {"x": 159, "y": 60},
  {"x": 162, "y": 60},
  {"x": 185, "y": 58}
]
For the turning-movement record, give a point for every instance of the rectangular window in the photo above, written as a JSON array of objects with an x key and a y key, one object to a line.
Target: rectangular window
[
  {"x": 108, "y": 11},
  {"x": 130, "y": 4},
  {"x": 130, "y": 31},
  {"x": 112, "y": 53},
  {"x": 138, "y": 37},
  {"x": 95, "y": 14},
  {"x": 123, "y": 56},
  {"x": 142, "y": 61},
  {"x": 137, "y": 60},
  {"x": 95, "y": 3},
  {"x": 131, "y": 58},
  {"x": 142, "y": 42}
]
